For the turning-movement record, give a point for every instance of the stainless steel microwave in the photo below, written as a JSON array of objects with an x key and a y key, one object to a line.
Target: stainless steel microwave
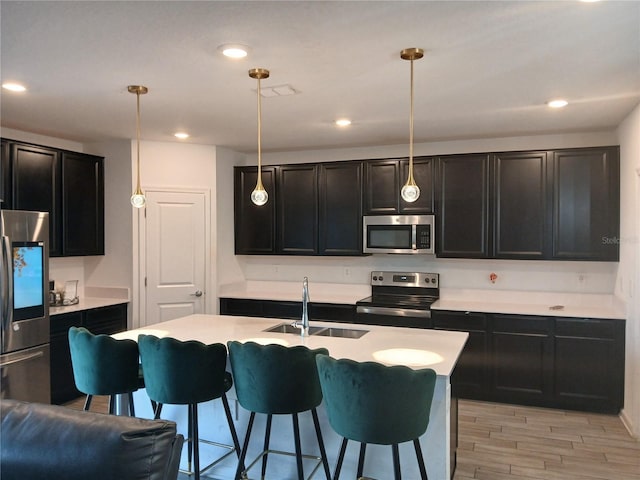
[{"x": 408, "y": 234}]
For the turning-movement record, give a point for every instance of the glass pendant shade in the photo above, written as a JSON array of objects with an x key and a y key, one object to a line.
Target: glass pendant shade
[
  {"x": 138, "y": 199},
  {"x": 259, "y": 196},
  {"x": 410, "y": 191}
]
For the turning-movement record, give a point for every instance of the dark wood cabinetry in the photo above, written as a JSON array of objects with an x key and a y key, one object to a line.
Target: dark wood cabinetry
[
  {"x": 328, "y": 312},
  {"x": 557, "y": 362},
  {"x": 521, "y": 358},
  {"x": 586, "y": 207},
  {"x": 255, "y": 226},
  {"x": 313, "y": 209},
  {"x": 82, "y": 204},
  {"x": 384, "y": 180},
  {"x": 106, "y": 320},
  {"x": 521, "y": 206},
  {"x": 297, "y": 207},
  {"x": 4, "y": 172},
  {"x": 68, "y": 185},
  {"x": 462, "y": 192},
  {"x": 470, "y": 378}
]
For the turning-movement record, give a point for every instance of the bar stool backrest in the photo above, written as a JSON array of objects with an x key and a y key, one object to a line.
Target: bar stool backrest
[{"x": 374, "y": 403}]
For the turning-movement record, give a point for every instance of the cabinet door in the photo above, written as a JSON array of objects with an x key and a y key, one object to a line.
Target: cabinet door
[
  {"x": 4, "y": 174},
  {"x": 381, "y": 187},
  {"x": 470, "y": 378},
  {"x": 63, "y": 386},
  {"x": 462, "y": 210},
  {"x": 297, "y": 217},
  {"x": 106, "y": 320},
  {"x": 423, "y": 175},
  {"x": 82, "y": 204},
  {"x": 36, "y": 186},
  {"x": 521, "y": 207},
  {"x": 586, "y": 208},
  {"x": 589, "y": 364},
  {"x": 255, "y": 226},
  {"x": 522, "y": 359},
  {"x": 340, "y": 204}
]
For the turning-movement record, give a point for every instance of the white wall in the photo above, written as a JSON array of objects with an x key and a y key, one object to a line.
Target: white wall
[{"x": 628, "y": 277}]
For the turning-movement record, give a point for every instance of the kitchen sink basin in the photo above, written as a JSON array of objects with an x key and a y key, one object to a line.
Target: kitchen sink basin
[
  {"x": 341, "y": 332},
  {"x": 288, "y": 328},
  {"x": 320, "y": 331}
]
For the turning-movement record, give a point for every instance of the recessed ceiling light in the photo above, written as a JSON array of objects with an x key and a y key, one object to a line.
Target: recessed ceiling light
[
  {"x": 343, "y": 122},
  {"x": 234, "y": 50},
  {"x": 14, "y": 87},
  {"x": 181, "y": 135},
  {"x": 557, "y": 103}
]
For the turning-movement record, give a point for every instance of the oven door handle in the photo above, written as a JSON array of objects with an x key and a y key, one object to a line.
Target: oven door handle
[{"x": 394, "y": 311}]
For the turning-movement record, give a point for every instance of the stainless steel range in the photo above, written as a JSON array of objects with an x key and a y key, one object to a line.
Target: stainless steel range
[{"x": 399, "y": 299}]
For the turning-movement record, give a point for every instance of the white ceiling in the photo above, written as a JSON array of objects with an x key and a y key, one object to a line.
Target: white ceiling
[{"x": 488, "y": 70}]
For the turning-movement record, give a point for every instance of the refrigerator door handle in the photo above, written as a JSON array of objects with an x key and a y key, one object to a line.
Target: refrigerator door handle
[
  {"x": 18, "y": 359},
  {"x": 7, "y": 284}
]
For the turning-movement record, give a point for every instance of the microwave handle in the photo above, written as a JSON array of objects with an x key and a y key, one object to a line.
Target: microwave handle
[{"x": 414, "y": 237}]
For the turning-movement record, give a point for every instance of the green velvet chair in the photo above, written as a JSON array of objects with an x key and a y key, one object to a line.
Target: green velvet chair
[
  {"x": 372, "y": 403},
  {"x": 188, "y": 373},
  {"x": 277, "y": 380},
  {"x": 103, "y": 365}
]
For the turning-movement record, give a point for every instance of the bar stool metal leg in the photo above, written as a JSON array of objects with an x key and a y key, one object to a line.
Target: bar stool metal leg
[
  {"x": 423, "y": 470},
  {"x": 323, "y": 452},
  {"x": 396, "y": 462},
  {"x": 267, "y": 436},
  {"x": 343, "y": 448},
  {"x": 296, "y": 438},
  {"x": 363, "y": 450},
  {"x": 240, "y": 468}
]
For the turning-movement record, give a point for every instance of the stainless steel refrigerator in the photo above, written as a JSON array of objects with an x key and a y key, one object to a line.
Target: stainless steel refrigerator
[{"x": 24, "y": 305}]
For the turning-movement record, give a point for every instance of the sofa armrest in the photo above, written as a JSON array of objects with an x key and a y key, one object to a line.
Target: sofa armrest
[{"x": 48, "y": 441}]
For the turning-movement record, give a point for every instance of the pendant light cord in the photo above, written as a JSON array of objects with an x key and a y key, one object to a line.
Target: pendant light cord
[
  {"x": 411, "y": 180},
  {"x": 259, "y": 183},
  {"x": 138, "y": 139}
]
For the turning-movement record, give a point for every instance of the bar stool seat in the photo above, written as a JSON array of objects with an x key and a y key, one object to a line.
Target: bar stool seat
[
  {"x": 277, "y": 380},
  {"x": 188, "y": 373},
  {"x": 372, "y": 403},
  {"x": 103, "y": 365}
]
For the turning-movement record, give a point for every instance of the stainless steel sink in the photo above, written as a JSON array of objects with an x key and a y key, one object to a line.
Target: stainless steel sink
[
  {"x": 288, "y": 328},
  {"x": 321, "y": 331},
  {"x": 341, "y": 332}
]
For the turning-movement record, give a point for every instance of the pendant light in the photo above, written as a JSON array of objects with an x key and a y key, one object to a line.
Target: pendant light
[
  {"x": 410, "y": 191},
  {"x": 137, "y": 199},
  {"x": 259, "y": 195}
]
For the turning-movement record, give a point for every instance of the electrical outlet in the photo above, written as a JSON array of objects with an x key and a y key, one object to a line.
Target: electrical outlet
[
  {"x": 582, "y": 279},
  {"x": 347, "y": 272}
]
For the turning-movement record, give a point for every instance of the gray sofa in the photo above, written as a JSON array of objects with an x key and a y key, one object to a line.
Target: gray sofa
[{"x": 51, "y": 442}]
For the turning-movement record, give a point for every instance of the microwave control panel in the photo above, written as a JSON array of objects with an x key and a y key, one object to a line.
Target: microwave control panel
[{"x": 423, "y": 237}]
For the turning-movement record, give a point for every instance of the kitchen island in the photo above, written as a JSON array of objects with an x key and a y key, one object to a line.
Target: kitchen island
[{"x": 438, "y": 350}]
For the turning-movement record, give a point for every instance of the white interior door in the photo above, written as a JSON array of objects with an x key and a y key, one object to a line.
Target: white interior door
[{"x": 175, "y": 255}]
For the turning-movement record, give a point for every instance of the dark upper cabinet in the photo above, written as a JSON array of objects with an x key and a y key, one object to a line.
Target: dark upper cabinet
[
  {"x": 423, "y": 168},
  {"x": 35, "y": 173},
  {"x": 297, "y": 209},
  {"x": 521, "y": 206},
  {"x": 4, "y": 174},
  {"x": 384, "y": 180},
  {"x": 82, "y": 204},
  {"x": 382, "y": 187},
  {"x": 340, "y": 208},
  {"x": 462, "y": 208},
  {"x": 255, "y": 226},
  {"x": 68, "y": 185},
  {"x": 586, "y": 204}
]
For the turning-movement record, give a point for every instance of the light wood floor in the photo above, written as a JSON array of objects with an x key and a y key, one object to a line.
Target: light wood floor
[{"x": 509, "y": 442}]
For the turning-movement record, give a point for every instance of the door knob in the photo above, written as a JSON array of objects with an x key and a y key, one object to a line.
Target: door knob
[{"x": 197, "y": 294}]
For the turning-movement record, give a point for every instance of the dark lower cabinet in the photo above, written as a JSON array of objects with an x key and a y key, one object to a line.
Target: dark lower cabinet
[
  {"x": 521, "y": 358},
  {"x": 470, "y": 378},
  {"x": 557, "y": 362},
  {"x": 105, "y": 320},
  {"x": 328, "y": 312},
  {"x": 4, "y": 173},
  {"x": 589, "y": 363}
]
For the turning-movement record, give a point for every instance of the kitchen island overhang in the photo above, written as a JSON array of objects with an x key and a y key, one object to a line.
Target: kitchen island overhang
[{"x": 414, "y": 348}]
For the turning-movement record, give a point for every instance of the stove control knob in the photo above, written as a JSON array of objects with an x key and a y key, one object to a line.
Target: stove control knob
[
  {"x": 375, "y": 278},
  {"x": 380, "y": 278},
  {"x": 433, "y": 280}
]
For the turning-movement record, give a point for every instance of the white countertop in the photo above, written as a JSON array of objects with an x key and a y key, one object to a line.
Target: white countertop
[
  {"x": 416, "y": 348},
  {"x": 86, "y": 304},
  {"x": 515, "y": 302}
]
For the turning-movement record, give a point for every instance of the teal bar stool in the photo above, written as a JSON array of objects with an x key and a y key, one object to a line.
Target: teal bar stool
[
  {"x": 188, "y": 373},
  {"x": 372, "y": 403},
  {"x": 277, "y": 380},
  {"x": 103, "y": 365}
]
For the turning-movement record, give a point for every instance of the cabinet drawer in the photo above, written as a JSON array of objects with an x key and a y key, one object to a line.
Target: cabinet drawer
[
  {"x": 332, "y": 313},
  {"x": 522, "y": 324},
  {"x": 273, "y": 309},
  {"x": 465, "y": 321},
  {"x": 107, "y": 320},
  {"x": 586, "y": 328}
]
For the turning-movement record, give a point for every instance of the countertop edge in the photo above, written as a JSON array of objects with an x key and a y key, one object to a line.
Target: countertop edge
[{"x": 87, "y": 303}]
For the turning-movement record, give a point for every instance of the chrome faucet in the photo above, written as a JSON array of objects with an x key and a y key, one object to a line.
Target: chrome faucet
[{"x": 304, "y": 324}]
